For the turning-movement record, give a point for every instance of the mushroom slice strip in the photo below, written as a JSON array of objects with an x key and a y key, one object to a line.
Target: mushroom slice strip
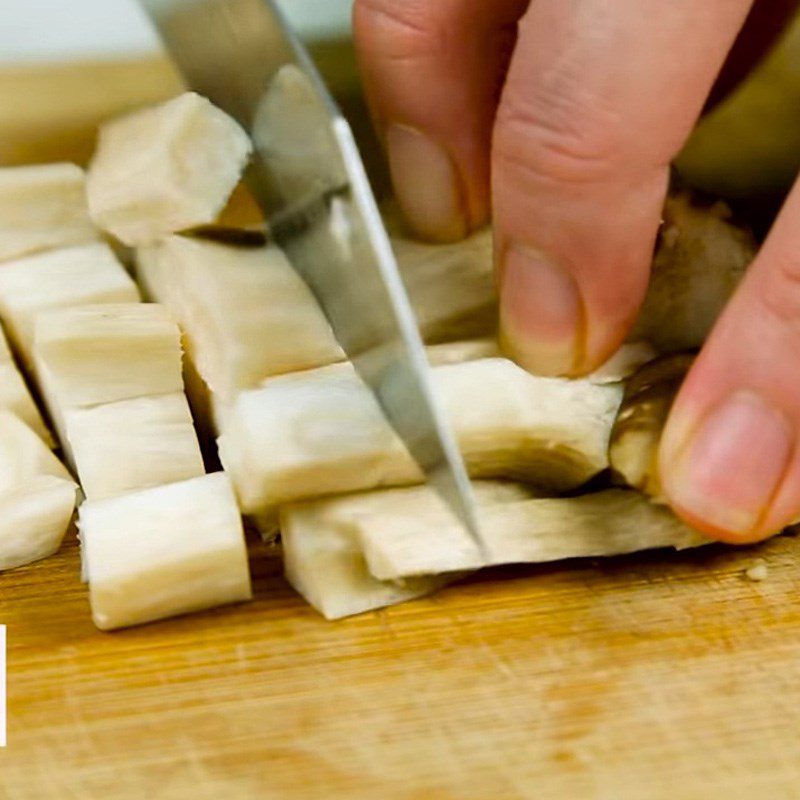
[
  {"x": 423, "y": 539},
  {"x": 323, "y": 559},
  {"x": 322, "y": 432}
]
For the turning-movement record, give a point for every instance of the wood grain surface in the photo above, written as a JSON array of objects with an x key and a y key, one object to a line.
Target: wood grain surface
[
  {"x": 650, "y": 677},
  {"x": 660, "y": 676},
  {"x": 51, "y": 112}
]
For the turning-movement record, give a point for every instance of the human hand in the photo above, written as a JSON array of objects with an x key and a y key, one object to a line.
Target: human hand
[{"x": 563, "y": 116}]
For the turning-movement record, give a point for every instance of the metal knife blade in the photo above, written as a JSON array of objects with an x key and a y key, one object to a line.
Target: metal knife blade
[{"x": 308, "y": 176}]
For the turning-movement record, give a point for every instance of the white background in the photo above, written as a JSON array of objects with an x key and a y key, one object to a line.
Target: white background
[{"x": 36, "y": 30}]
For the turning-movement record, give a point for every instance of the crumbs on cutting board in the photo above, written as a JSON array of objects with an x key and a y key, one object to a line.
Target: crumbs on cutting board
[{"x": 757, "y": 571}]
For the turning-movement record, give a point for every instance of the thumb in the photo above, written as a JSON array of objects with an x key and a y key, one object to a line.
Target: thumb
[{"x": 729, "y": 458}]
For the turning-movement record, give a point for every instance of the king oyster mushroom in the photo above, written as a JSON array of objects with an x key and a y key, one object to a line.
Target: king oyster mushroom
[{"x": 648, "y": 398}]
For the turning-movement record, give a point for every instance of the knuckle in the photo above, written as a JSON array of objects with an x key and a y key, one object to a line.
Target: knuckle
[
  {"x": 558, "y": 136},
  {"x": 396, "y": 29}
]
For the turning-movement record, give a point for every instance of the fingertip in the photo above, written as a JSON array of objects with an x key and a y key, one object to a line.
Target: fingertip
[
  {"x": 427, "y": 184},
  {"x": 541, "y": 313},
  {"x": 431, "y": 73},
  {"x": 546, "y": 323},
  {"x": 718, "y": 534},
  {"x": 721, "y": 467}
]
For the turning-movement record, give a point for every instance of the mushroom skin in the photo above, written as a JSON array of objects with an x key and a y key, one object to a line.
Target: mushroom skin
[{"x": 700, "y": 259}]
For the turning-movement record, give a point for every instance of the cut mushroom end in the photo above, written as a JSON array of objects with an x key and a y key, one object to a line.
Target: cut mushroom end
[
  {"x": 164, "y": 551},
  {"x": 43, "y": 206},
  {"x": 133, "y": 444},
  {"x": 34, "y": 517},
  {"x": 325, "y": 564},
  {"x": 165, "y": 169},
  {"x": 649, "y": 394}
]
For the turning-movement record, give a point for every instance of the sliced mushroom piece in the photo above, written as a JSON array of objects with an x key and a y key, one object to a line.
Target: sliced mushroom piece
[
  {"x": 700, "y": 261},
  {"x": 37, "y": 495},
  {"x": 103, "y": 353},
  {"x": 451, "y": 286},
  {"x": 133, "y": 444},
  {"x": 23, "y": 455},
  {"x": 325, "y": 564},
  {"x": 424, "y": 538},
  {"x": 91, "y": 355},
  {"x": 648, "y": 398},
  {"x": 71, "y": 276},
  {"x": 309, "y": 434},
  {"x": 16, "y": 397},
  {"x": 210, "y": 409},
  {"x": 164, "y": 551},
  {"x": 322, "y": 432},
  {"x": 165, "y": 168},
  {"x": 43, "y": 206},
  {"x": 245, "y": 312},
  {"x": 230, "y": 299},
  {"x": 34, "y": 517}
]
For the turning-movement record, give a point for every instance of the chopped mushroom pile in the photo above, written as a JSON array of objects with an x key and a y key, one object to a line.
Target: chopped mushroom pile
[{"x": 216, "y": 338}]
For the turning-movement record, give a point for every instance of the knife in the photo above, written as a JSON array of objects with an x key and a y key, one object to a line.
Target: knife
[{"x": 310, "y": 181}]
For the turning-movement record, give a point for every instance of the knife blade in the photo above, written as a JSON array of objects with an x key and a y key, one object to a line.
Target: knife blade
[{"x": 308, "y": 177}]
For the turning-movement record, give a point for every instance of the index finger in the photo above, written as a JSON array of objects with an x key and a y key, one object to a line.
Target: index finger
[{"x": 433, "y": 73}]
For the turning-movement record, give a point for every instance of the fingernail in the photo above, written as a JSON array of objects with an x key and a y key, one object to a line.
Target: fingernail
[
  {"x": 427, "y": 185},
  {"x": 727, "y": 473},
  {"x": 541, "y": 313}
]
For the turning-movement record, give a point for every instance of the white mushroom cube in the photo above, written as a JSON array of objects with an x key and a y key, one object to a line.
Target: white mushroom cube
[
  {"x": 23, "y": 455},
  {"x": 164, "y": 169},
  {"x": 133, "y": 444},
  {"x": 37, "y": 495},
  {"x": 245, "y": 312},
  {"x": 57, "y": 279},
  {"x": 42, "y": 206},
  {"x": 164, "y": 551},
  {"x": 34, "y": 516},
  {"x": 100, "y": 354},
  {"x": 15, "y": 395}
]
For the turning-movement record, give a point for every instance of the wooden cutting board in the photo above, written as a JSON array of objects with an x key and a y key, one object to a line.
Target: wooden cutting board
[{"x": 657, "y": 676}]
